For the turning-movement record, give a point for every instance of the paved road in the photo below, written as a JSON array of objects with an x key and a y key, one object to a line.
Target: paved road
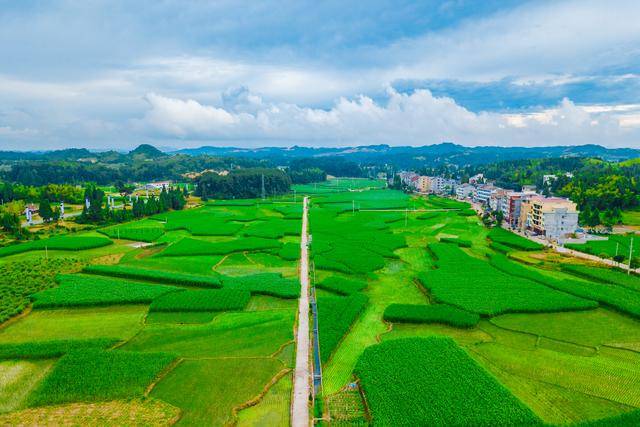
[{"x": 301, "y": 381}]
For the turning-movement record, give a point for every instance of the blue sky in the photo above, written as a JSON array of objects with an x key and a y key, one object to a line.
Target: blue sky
[{"x": 113, "y": 74}]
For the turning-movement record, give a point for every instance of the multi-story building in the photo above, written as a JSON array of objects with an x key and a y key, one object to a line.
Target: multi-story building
[
  {"x": 464, "y": 191},
  {"x": 424, "y": 184},
  {"x": 483, "y": 193},
  {"x": 553, "y": 217}
]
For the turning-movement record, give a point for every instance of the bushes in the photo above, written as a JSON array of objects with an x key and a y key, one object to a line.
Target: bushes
[
  {"x": 476, "y": 286},
  {"x": 272, "y": 284},
  {"x": 467, "y": 212},
  {"x": 341, "y": 286},
  {"x": 436, "y": 313},
  {"x": 95, "y": 375},
  {"x": 138, "y": 234},
  {"x": 51, "y": 349},
  {"x": 154, "y": 275},
  {"x": 335, "y": 316},
  {"x": 456, "y": 241},
  {"x": 60, "y": 243},
  {"x": 604, "y": 275},
  {"x": 507, "y": 238},
  {"x": 192, "y": 247},
  {"x": 202, "y": 300},
  {"x": 432, "y": 381},
  {"x": 78, "y": 291}
]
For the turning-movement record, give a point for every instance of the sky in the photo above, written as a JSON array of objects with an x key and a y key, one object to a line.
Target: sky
[{"x": 112, "y": 74}]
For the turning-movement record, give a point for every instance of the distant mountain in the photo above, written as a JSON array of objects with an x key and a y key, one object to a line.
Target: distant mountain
[
  {"x": 146, "y": 151},
  {"x": 415, "y": 157}
]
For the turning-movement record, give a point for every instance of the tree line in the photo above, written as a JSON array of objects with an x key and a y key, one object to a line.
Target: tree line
[{"x": 243, "y": 184}]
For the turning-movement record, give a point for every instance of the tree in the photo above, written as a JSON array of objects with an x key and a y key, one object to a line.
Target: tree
[
  {"x": 45, "y": 211},
  {"x": 94, "y": 212},
  {"x": 10, "y": 222}
]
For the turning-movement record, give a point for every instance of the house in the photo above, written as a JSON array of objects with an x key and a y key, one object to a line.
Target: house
[
  {"x": 424, "y": 184},
  {"x": 483, "y": 193},
  {"x": 465, "y": 191},
  {"x": 554, "y": 217}
]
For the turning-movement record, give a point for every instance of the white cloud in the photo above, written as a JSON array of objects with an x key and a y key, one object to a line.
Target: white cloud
[{"x": 415, "y": 119}]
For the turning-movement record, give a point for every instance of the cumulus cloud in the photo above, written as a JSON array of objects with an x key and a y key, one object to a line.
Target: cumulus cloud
[{"x": 415, "y": 119}]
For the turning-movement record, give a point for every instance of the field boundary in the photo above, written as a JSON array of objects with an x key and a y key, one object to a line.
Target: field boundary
[{"x": 258, "y": 398}]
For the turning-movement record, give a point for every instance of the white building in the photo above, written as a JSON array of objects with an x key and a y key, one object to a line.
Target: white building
[
  {"x": 465, "y": 191},
  {"x": 483, "y": 193}
]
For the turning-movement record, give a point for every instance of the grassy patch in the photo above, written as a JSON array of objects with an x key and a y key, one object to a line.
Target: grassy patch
[
  {"x": 614, "y": 243},
  {"x": 17, "y": 379},
  {"x": 271, "y": 284},
  {"x": 94, "y": 375},
  {"x": 341, "y": 285},
  {"x": 432, "y": 381},
  {"x": 435, "y": 313},
  {"x": 604, "y": 275},
  {"x": 133, "y": 232},
  {"x": 227, "y": 383},
  {"x": 181, "y": 317}
]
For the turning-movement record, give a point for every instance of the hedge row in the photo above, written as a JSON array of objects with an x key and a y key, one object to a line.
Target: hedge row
[
  {"x": 51, "y": 349},
  {"x": 158, "y": 276},
  {"x": 435, "y": 313},
  {"x": 335, "y": 316},
  {"x": 60, "y": 243},
  {"x": 202, "y": 300},
  {"x": 341, "y": 286},
  {"x": 500, "y": 235}
]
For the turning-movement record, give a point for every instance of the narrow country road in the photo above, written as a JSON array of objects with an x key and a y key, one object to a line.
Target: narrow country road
[{"x": 301, "y": 381}]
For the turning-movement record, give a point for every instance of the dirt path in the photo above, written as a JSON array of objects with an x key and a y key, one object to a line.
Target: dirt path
[{"x": 302, "y": 375}]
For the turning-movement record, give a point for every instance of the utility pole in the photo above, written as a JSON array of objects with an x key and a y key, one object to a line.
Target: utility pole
[{"x": 630, "y": 255}]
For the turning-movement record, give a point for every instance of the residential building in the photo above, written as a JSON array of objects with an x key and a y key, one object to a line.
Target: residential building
[
  {"x": 553, "y": 217},
  {"x": 424, "y": 184},
  {"x": 465, "y": 191},
  {"x": 483, "y": 193},
  {"x": 477, "y": 179}
]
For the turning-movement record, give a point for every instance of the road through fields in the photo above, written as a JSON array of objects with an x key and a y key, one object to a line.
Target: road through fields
[{"x": 301, "y": 384}]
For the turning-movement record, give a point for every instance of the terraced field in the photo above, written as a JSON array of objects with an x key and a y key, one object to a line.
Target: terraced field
[
  {"x": 425, "y": 317},
  {"x": 195, "y": 328}
]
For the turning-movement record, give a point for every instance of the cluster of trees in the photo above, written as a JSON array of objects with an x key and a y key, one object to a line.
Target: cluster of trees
[
  {"x": 10, "y": 192},
  {"x": 332, "y": 165},
  {"x": 96, "y": 211},
  {"x": 243, "y": 184}
]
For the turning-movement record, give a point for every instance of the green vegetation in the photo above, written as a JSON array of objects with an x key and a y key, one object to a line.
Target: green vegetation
[
  {"x": 59, "y": 243},
  {"x": 341, "y": 285},
  {"x": 432, "y": 381},
  {"x": 290, "y": 252},
  {"x": 507, "y": 238},
  {"x": 51, "y": 349},
  {"x": 205, "y": 300},
  {"x": 483, "y": 289},
  {"x": 158, "y": 276},
  {"x": 614, "y": 244},
  {"x": 436, "y": 313},
  {"x": 20, "y": 279},
  {"x": 335, "y": 316},
  {"x": 192, "y": 247},
  {"x": 630, "y": 419},
  {"x": 96, "y": 375},
  {"x": 604, "y": 275},
  {"x": 242, "y": 183},
  {"x": 78, "y": 291},
  {"x": 272, "y": 284},
  {"x": 460, "y": 242},
  {"x": 617, "y": 297},
  {"x": 138, "y": 234}
]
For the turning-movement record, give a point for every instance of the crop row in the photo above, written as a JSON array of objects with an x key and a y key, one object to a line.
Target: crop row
[
  {"x": 500, "y": 235},
  {"x": 617, "y": 297},
  {"x": 481, "y": 288},
  {"x": 138, "y": 234},
  {"x": 432, "y": 381},
  {"x": 604, "y": 275},
  {"x": 78, "y": 290},
  {"x": 341, "y": 285},
  {"x": 202, "y": 300},
  {"x": 51, "y": 349},
  {"x": 193, "y": 247},
  {"x": 272, "y": 284},
  {"x": 61, "y": 243},
  {"x": 435, "y": 313},
  {"x": 158, "y": 276},
  {"x": 335, "y": 316},
  {"x": 460, "y": 242}
]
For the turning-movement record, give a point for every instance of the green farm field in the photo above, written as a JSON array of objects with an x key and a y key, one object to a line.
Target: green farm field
[
  {"x": 143, "y": 319},
  {"x": 188, "y": 318}
]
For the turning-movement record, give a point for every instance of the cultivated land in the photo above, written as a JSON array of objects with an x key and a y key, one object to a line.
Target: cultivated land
[{"x": 425, "y": 316}]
